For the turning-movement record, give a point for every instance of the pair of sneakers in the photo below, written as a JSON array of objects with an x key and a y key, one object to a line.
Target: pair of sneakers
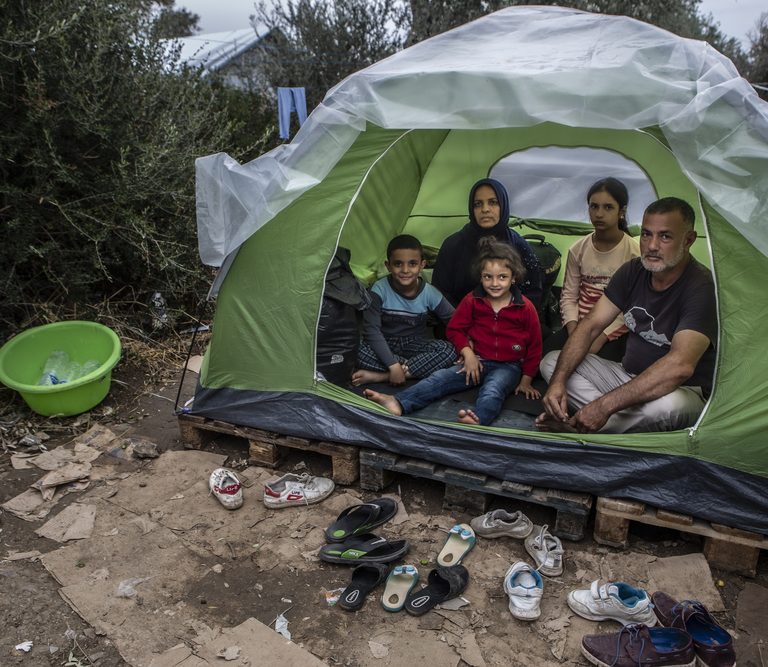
[
  {"x": 287, "y": 490},
  {"x": 545, "y": 549},
  {"x": 523, "y": 583}
]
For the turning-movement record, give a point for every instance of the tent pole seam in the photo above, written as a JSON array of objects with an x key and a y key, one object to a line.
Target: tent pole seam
[
  {"x": 338, "y": 238},
  {"x": 705, "y": 223}
]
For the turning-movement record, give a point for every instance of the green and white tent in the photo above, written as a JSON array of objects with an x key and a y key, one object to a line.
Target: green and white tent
[{"x": 395, "y": 148}]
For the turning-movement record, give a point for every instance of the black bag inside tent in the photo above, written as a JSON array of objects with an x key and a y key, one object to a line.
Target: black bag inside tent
[
  {"x": 338, "y": 331},
  {"x": 550, "y": 259}
]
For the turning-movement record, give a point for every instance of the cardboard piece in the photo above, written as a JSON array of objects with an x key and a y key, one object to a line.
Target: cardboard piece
[
  {"x": 685, "y": 578},
  {"x": 23, "y": 555},
  {"x": 177, "y": 656},
  {"x": 142, "y": 625},
  {"x": 254, "y": 641},
  {"x": 71, "y": 472},
  {"x": 172, "y": 473},
  {"x": 62, "y": 456},
  {"x": 74, "y": 522},
  {"x": 470, "y": 651},
  {"x": 21, "y": 461},
  {"x": 195, "y": 363},
  {"x": 30, "y": 505},
  {"x": 85, "y": 449},
  {"x": 98, "y": 437},
  {"x": 402, "y": 514},
  {"x": 752, "y": 623}
]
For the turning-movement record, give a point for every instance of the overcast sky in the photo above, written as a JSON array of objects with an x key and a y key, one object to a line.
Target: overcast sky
[{"x": 736, "y": 17}]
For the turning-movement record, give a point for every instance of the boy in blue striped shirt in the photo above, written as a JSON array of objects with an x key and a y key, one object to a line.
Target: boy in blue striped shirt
[{"x": 395, "y": 347}]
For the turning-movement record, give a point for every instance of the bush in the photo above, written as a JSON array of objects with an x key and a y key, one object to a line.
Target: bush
[{"x": 98, "y": 137}]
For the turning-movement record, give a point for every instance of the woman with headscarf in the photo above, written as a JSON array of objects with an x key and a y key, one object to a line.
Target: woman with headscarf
[{"x": 488, "y": 216}]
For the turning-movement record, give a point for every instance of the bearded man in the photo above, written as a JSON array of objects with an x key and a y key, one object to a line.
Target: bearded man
[{"x": 665, "y": 377}]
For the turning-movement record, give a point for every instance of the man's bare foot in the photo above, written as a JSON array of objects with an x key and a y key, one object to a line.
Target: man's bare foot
[
  {"x": 386, "y": 401},
  {"x": 468, "y": 417},
  {"x": 546, "y": 423},
  {"x": 364, "y": 376}
]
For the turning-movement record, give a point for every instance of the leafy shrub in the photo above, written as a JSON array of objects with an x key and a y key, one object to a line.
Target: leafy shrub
[{"x": 98, "y": 137}]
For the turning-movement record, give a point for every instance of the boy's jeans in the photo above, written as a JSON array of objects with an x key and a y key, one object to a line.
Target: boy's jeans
[{"x": 498, "y": 380}]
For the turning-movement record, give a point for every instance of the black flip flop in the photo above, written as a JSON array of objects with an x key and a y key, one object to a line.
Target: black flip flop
[
  {"x": 364, "y": 549},
  {"x": 443, "y": 583},
  {"x": 360, "y": 519},
  {"x": 365, "y": 578}
]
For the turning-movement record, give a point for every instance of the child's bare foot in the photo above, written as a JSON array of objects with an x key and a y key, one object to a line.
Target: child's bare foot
[
  {"x": 546, "y": 423},
  {"x": 363, "y": 376},
  {"x": 468, "y": 417},
  {"x": 386, "y": 401}
]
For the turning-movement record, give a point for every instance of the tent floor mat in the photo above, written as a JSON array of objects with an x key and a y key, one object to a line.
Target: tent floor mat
[
  {"x": 726, "y": 548},
  {"x": 471, "y": 491},
  {"x": 266, "y": 448},
  {"x": 518, "y": 412}
]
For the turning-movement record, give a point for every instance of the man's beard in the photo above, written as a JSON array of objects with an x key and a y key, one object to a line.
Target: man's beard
[{"x": 669, "y": 264}]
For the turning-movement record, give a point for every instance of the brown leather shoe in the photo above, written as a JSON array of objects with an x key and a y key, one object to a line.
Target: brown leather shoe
[
  {"x": 640, "y": 645},
  {"x": 712, "y": 643}
]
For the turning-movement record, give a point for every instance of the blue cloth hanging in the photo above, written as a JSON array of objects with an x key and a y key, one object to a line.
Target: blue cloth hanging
[{"x": 289, "y": 100}]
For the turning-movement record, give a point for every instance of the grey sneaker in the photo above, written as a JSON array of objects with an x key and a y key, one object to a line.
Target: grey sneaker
[
  {"x": 547, "y": 551},
  {"x": 500, "y": 522}
]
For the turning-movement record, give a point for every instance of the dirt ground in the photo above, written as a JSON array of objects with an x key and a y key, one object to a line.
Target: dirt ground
[{"x": 206, "y": 570}]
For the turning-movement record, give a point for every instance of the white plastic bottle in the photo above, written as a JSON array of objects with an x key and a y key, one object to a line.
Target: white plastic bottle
[{"x": 55, "y": 369}]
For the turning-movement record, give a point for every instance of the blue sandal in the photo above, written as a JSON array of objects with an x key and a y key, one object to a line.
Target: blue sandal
[
  {"x": 461, "y": 539},
  {"x": 400, "y": 583}
]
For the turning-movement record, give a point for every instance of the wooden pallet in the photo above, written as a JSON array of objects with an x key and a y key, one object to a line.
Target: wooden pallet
[
  {"x": 726, "y": 548},
  {"x": 469, "y": 491},
  {"x": 265, "y": 448}
]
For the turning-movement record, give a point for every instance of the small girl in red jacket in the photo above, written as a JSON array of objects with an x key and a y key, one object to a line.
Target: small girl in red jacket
[{"x": 496, "y": 331}]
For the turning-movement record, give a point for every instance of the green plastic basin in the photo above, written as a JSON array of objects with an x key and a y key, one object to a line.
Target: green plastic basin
[{"x": 23, "y": 357}]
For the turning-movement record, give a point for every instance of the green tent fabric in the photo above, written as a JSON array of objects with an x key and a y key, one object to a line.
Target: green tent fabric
[{"x": 395, "y": 148}]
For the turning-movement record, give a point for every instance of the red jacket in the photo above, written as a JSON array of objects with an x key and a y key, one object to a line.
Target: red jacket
[{"x": 512, "y": 334}]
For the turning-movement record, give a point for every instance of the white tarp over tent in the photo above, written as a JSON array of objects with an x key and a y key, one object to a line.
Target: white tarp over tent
[{"x": 522, "y": 66}]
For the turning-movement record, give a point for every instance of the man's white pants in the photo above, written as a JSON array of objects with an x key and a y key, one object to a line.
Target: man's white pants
[{"x": 596, "y": 376}]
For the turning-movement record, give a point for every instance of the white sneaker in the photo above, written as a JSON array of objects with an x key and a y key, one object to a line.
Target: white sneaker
[
  {"x": 615, "y": 601},
  {"x": 227, "y": 488},
  {"x": 546, "y": 550},
  {"x": 524, "y": 586},
  {"x": 293, "y": 489}
]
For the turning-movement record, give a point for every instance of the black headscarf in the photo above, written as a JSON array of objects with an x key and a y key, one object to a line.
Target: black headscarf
[{"x": 453, "y": 274}]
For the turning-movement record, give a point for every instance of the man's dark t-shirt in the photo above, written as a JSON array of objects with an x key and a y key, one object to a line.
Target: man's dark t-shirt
[{"x": 654, "y": 317}]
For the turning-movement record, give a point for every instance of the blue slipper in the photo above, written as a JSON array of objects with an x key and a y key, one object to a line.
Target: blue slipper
[
  {"x": 400, "y": 583},
  {"x": 461, "y": 539}
]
